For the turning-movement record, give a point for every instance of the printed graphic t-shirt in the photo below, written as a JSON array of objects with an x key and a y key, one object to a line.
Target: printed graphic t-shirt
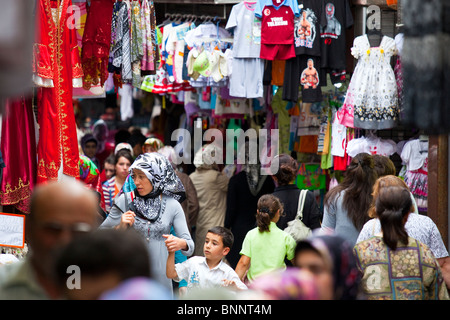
[
  {"x": 307, "y": 27},
  {"x": 277, "y": 20},
  {"x": 338, "y": 18}
]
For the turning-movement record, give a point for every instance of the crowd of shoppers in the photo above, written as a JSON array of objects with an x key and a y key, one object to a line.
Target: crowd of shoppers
[{"x": 174, "y": 232}]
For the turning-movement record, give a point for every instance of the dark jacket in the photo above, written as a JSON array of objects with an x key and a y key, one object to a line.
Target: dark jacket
[
  {"x": 240, "y": 216},
  {"x": 288, "y": 195}
]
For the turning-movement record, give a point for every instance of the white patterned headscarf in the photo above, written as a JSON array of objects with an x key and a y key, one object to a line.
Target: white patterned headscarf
[{"x": 164, "y": 180}]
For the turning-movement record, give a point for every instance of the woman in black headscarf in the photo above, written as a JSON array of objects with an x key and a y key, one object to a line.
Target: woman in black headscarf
[{"x": 244, "y": 190}]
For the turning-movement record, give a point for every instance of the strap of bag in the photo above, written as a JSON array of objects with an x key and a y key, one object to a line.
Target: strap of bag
[{"x": 301, "y": 203}]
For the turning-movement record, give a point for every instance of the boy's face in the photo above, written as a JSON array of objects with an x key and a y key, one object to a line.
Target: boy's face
[
  {"x": 213, "y": 248},
  {"x": 90, "y": 149}
]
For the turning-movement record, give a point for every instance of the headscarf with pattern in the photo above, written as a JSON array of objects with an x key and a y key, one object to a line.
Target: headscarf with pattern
[
  {"x": 164, "y": 180},
  {"x": 289, "y": 284},
  {"x": 338, "y": 253}
]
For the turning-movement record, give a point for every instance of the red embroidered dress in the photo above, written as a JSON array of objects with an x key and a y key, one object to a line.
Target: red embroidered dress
[
  {"x": 57, "y": 68},
  {"x": 96, "y": 43}
]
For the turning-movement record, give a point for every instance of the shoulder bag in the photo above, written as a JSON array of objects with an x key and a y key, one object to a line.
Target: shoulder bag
[{"x": 296, "y": 228}]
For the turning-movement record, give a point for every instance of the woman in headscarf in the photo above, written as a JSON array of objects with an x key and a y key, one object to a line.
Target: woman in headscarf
[
  {"x": 152, "y": 209},
  {"x": 211, "y": 186},
  {"x": 152, "y": 144},
  {"x": 330, "y": 259},
  {"x": 288, "y": 284},
  {"x": 244, "y": 190}
]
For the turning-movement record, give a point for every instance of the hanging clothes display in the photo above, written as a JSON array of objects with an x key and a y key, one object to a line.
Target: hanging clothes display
[
  {"x": 277, "y": 28},
  {"x": 333, "y": 57},
  {"x": 304, "y": 69},
  {"x": 371, "y": 145},
  {"x": 415, "y": 156},
  {"x": 137, "y": 50},
  {"x": 148, "y": 25},
  {"x": 247, "y": 82},
  {"x": 18, "y": 146},
  {"x": 122, "y": 43},
  {"x": 57, "y": 69},
  {"x": 371, "y": 101},
  {"x": 96, "y": 43}
]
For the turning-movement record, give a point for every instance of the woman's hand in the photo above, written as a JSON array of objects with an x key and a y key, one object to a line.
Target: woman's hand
[
  {"x": 127, "y": 220},
  {"x": 174, "y": 243}
]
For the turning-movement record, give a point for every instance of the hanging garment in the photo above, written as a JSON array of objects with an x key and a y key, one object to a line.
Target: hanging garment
[
  {"x": 114, "y": 47},
  {"x": 148, "y": 25},
  {"x": 137, "y": 51},
  {"x": 371, "y": 145},
  {"x": 333, "y": 42},
  {"x": 96, "y": 43},
  {"x": 57, "y": 68},
  {"x": 415, "y": 155},
  {"x": 425, "y": 65},
  {"x": 372, "y": 98},
  {"x": 18, "y": 145},
  {"x": 122, "y": 47}
]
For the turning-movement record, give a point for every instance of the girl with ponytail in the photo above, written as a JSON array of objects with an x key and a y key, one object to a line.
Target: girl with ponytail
[
  {"x": 395, "y": 266},
  {"x": 265, "y": 247}
]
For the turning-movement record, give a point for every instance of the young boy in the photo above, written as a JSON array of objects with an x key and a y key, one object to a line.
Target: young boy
[{"x": 208, "y": 271}]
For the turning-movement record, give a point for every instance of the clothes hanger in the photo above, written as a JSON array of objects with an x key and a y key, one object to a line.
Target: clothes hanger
[
  {"x": 169, "y": 17},
  {"x": 373, "y": 23}
]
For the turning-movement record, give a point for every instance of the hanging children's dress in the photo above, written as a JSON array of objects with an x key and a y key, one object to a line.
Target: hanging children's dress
[
  {"x": 371, "y": 101},
  {"x": 415, "y": 155}
]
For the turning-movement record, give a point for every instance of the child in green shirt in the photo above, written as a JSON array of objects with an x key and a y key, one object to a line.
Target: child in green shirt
[{"x": 265, "y": 248}]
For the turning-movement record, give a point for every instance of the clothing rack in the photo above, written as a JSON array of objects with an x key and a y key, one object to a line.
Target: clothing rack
[{"x": 194, "y": 17}]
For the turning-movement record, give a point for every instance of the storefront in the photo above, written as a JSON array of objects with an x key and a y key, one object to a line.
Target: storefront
[{"x": 166, "y": 79}]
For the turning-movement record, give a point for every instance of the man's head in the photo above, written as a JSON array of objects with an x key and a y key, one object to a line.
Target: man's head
[
  {"x": 59, "y": 211},
  {"x": 105, "y": 258},
  {"x": 218, "y": 242}
]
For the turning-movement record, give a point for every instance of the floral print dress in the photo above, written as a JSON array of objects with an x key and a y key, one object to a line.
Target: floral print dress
[
  {"x": 371, "y": 101},
  {"x": 409, "y": 273}
]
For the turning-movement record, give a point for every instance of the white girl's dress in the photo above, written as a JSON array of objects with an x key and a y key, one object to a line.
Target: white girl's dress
[{"x": 371, "y": 101}]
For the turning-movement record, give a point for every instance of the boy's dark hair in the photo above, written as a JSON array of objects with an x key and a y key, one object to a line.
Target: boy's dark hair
[
  {"x": 111, "y": 159},
  {"x": 227, "y": 236},
  {"x": 103, "y": 251},
  {"x": 136, "y": 138}
]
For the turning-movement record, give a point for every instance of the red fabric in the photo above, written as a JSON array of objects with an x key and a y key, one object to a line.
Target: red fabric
[
  {"x": 277, "y": 26},
  {"x": 96, "y": 42},
  {"x": 18, "y": 146},
  {"x": 277, "y": 51},
  {"x": 57, "y": 127}
]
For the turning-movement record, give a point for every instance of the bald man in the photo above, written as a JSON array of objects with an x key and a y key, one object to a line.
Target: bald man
[{"x": 59, "y": 212}]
